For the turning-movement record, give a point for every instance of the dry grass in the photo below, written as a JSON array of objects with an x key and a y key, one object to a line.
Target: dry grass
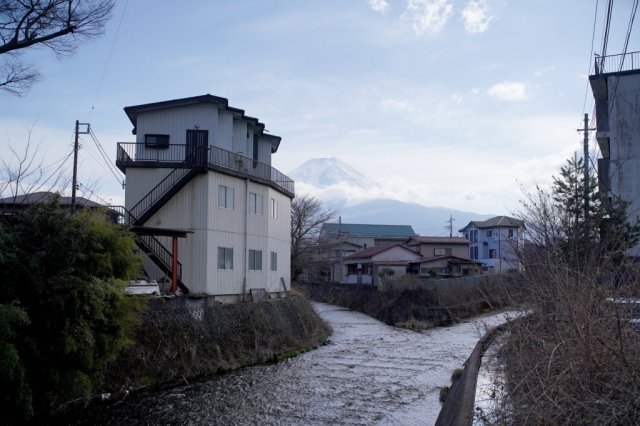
[{"x": 576, "y": 358}]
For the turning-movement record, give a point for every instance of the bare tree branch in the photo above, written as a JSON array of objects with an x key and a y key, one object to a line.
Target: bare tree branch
[
  {"x": 307, "y": 216},
  {"x": 59, "y": 25}
]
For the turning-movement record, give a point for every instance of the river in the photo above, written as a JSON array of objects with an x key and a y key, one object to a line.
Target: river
[{"x": 368, "y": 373}]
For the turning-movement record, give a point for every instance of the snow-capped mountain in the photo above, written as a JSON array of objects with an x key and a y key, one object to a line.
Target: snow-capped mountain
[
  {"x": 359, "y": 199},
  {"x": 324, "y": 172}
]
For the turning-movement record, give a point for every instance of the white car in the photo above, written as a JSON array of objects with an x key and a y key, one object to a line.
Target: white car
[{"x": 148, "y": 287}]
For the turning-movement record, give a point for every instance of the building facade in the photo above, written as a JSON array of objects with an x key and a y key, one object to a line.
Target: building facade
[
  {"x": 350, "y": 238},
  {"x": 616, "y": 89},
  {"x": 202, "y": 166},
  {"x": 496, "y": 243}
]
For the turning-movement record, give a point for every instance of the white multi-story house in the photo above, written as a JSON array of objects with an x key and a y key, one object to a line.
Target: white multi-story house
[
  {"x": 496, "y": 243},
  {"x": 616, "y": 89},
  {"x": 201, "y": 170}
]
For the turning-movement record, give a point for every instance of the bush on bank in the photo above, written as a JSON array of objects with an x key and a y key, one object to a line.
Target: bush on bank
[{"x": 63, "y": 314}]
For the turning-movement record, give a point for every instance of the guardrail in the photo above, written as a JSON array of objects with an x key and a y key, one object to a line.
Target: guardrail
[
  {"x": 130, "y": 153},
  {"x": 617, "y": 63}
]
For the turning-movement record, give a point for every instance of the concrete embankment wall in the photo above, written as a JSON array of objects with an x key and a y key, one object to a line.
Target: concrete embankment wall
[
  {"x": 458, "y": 408},
  {"x": 420, "y": 305},
  {"x": 184, "y": 338}
]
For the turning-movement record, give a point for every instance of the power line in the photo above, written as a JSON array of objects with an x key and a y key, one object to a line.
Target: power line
[
  {"x": 106, "y": 65},
  {"x": 105, "y": 156},
  {"x": 593, "y": 37},
  {"x": 634, "y": 8}
]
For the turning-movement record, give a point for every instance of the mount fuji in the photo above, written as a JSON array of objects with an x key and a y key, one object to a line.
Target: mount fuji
[{"x": 359, "y": 199}]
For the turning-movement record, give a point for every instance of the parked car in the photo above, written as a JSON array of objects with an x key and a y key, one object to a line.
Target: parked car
[{"x": 148, "y": 287}]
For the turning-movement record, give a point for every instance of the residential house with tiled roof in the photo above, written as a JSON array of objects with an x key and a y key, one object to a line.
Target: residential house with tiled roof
[
  {"x": 496, "y": 243},
  {"x": 439, "y": 246},
  {"x": 445, "y": 267},
  {"x": 364, "y": 266},
  {"x": 19, "y": 203},
  {"x": 352, "y": 237}
]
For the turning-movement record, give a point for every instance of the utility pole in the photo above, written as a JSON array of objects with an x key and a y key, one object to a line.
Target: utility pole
[
  {"x": 76, "y": 147},
  {"x": 585, "y": 145},
  {"x": 450, "y": 226}
]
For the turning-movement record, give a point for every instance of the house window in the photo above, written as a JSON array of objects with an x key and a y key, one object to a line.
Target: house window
[
  {"x": 492, "y": 253},
  {"x": 510, "y": 233},
  {"x": 473, "y": 236},
  {"x": 255, "y": 203},
  {"x": 473, "y": 252},
  {"x": 255, "y": 260},
  {"x": 225, "y": 197},
  {"x": 274, "y": 208},
  {"x": 225, "y": 258},
  {"x": 274, "y": 261},
  {"x": 442, "y": 252},
  {"x": 489, "y": 233},
  {"x": 156, "y": 141}
]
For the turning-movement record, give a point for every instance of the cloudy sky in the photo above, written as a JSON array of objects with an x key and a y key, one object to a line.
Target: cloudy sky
[{"x": 453, "y": 103}]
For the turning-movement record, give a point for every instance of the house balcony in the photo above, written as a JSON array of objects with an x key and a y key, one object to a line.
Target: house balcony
[{"x": 131, "y": 154}]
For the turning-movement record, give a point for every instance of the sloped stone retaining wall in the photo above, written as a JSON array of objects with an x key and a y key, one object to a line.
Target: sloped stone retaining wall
[{"x": 184, "y": 338}]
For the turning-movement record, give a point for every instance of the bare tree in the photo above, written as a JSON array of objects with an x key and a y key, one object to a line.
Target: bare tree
[
  {"x": 59, "y": 25},
  {"x": 307, "y": 216},
  {"x": 23, "y": 171}
]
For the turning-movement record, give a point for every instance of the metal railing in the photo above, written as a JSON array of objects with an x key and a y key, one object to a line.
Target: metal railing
[
  {"x": 148, "y": 243},
  {"x": 174, "y": 154},
  {"x": 157, "y": 192},
  {"x": 617, "y": 63}
]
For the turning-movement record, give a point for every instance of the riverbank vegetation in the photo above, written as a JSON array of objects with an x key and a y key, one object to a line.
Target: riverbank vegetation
[
  {"x": 416, "y": 306},
  {"x": 575, "y": 359},
  {"x": 63, "y": 314}
]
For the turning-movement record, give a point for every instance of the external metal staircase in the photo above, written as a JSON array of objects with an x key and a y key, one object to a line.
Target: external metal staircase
[{"x": 158, "y": 196}]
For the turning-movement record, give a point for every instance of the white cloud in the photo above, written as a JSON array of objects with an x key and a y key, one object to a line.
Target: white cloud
[
  {"x": 511, "y": 91},
  {"x": 543, "y": 71},
  {"x": 476, "y": 16},
  {"x": 381, "y": 6},
  {"x": 398, "y": 105},
  {"x": 428, "y": 16}
]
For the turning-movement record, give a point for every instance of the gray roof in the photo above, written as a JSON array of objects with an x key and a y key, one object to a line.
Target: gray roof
[
  {"x": 437, "y": 240},
  {"x": 133, "y": 111},
  {"x": 372, "y": 231},
  {"x": 496, "y": 222},
  {"x": 45, "y": 197}
]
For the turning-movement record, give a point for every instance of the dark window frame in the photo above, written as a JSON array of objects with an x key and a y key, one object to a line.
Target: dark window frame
[{"x": 162, "y": 141}]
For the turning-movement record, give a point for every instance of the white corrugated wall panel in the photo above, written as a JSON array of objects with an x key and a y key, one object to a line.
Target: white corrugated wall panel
[
  {"x": 225, "y": 130},
  {"x": 175, "y": 122},
  {"x": 140, "y": 181},
  {"x": 239, "y": 136}
]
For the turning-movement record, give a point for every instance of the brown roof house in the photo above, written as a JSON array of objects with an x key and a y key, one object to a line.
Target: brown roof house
[
  {"x": 439, "y": 246},
  {"x": 446, "y": 267},
  {"x": 363, "y": 267}
]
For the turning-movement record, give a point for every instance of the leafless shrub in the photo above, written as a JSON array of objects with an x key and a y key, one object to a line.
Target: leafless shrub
[{"x": 575, "y": 358}]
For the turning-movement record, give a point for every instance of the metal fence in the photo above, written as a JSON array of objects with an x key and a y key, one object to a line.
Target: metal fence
[
  {"x": 617, "y": 63},
  {"x": 130, "y": 153}
]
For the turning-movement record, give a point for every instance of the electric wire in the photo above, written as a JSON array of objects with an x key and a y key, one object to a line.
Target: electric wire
[
  {"x": 108, "y": 62},
  {"x": 105, "y": 157},
  {"x": 605, "y": 33},
  {"x": 632, "y": 18},
  {"x": 591, "y": 62},
  {"x": 87, "y": 189},
  {"x": 52, "y": 174}
]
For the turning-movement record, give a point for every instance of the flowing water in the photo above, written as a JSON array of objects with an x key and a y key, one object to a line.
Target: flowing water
[{"x": 368, "y": 373}]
